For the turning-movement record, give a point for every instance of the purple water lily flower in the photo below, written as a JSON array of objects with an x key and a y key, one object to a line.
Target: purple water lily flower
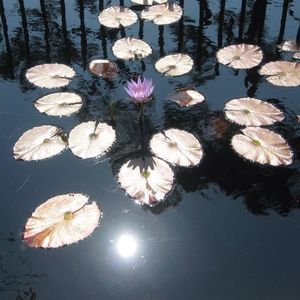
[{"x": 140, "y": 90}]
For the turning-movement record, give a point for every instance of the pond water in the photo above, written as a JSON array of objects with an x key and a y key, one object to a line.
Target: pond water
[{"x": 229, "y": 229}]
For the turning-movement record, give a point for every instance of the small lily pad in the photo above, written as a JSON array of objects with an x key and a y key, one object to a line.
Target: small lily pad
[
  {"x": 296, "y": 55},
  {"x": 240, "y": 56},
  {"x": 290, "y": 46},
  {"x": 104, "y": 68},
  {"x": 116, "y": 16},
  {"x": 162, "y": 14},
  {"x": 59, "y": 104},
  {"x": 50, "y": 75},
  {"x": 61, "y": 220},
  {"x": 147, "y": 181},
  {"x": 131, "y": 48},
  {"x": 252, "y": 112},
  {"x": 148, "y": 2},
  {"x": 187, "y": 97},
  {"x": 282, "y": 73},
  {"x": 39, "y": 143},
  {"x": 177, "y": 147},
  {"x": 174, "y": 64},
  {"x": 263, "y": 146},
  {"x": 91, "y": 139}
]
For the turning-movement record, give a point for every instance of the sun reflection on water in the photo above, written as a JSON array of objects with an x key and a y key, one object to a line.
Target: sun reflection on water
[{"x": 126, "y": 245}]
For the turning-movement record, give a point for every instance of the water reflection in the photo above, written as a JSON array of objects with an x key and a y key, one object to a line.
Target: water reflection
[
  {"x": 127, "y": 245},
  {"x": 16, "y": 274}
]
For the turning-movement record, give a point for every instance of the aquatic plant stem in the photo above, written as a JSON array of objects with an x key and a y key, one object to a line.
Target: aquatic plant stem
[{"x": 141, "y": 118}]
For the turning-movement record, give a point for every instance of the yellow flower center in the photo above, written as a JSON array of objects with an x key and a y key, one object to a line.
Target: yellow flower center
[{"x": 68, "y": 215}]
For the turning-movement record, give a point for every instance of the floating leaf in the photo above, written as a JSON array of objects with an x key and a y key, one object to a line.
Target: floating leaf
[
  {"x": 104, "y": 68},
  {"x": 263, "y": 146},
  {"x": 240, "y": 56},
  {"x": 296, "y": 55},
  {"x": 289, "y": 46},
  {"x": 282, "y": 73},
  {"x": 148, "y": 2},
  {"x": 59, "y": 104},
  {"x": 187, "y": 97},
  {"x": 61, "y": 220},
  {"x": 252, "y": 112},
  {"x": 130, "y": 48},
  {"x": 39, "y": 143},
  {"x": 148, "y": 180},
  {"x": 116, "y": 16},
  {"x": 162, "y": 14},
  {"x": 50, "y": 75},
  {"x": 174, "y": 64},
  {"x": 91, "y": 139},
  {"x": 177, "y": 147}
]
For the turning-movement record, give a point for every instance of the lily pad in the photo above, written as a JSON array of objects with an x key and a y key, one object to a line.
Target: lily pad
[
  {"x": 252, "y": 112},
  {"x": 50, "y": 75},
  {"x": 240, "y": 56},
  {"x": 187, "y": 97},
  {"x": 59, "y": 104},
  {"x": 104, "y": 68},
  {"x": 147, "y": 181},
  {"x": 290, "y": 46},
  {"x": 148, "y": 2},
  {"x": 39, "y": 143},
  {"x": 162, "y": 14},
  {"x": 61, "y": 220},
  {"x": 91, "y": 139},
  {"x": 263, "y": 146},
  {"x": 177, "y": 147},
  {"x": 131, "y": 48},
  {"x": 282, "y": 73},
  {"x": 116, "y": 16},
  {"x": 296, "y": 55},
  {"x": 174, "y": 64}
]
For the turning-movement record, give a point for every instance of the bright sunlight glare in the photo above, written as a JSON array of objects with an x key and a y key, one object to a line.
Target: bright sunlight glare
[{"x": 126, "y": 245}]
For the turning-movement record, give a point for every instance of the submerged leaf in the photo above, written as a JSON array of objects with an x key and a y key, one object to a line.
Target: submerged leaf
[
  {"x": 282, "y": 73},
  {"x": 252, "y": 112},
  {"x": 91, "y": 139},
  {"x": 147, "y": 181},
  {"x": 187, "y": 97},
  {"x": 174, "y": 64},
  {"x": 263, "y": 146},
  {"x": 177, "y": 147},
  {"x": 39, "y": 143},
  {"x": 104, "y": 68},
  {"x": 59, "y": 104},
  {"x": 162, "y": 14},
  {"x": 240, "y": 56},
  {"x": 220, "y": 126},
  {"x": 50, "y": 75},
  {"x": 130, "y": 48},
  {"x": 61, "y": 220},
  {"x": 116, "y": 16}
]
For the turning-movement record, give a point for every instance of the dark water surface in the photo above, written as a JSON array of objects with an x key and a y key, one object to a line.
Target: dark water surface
[{"x": 229, "y": 229}]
